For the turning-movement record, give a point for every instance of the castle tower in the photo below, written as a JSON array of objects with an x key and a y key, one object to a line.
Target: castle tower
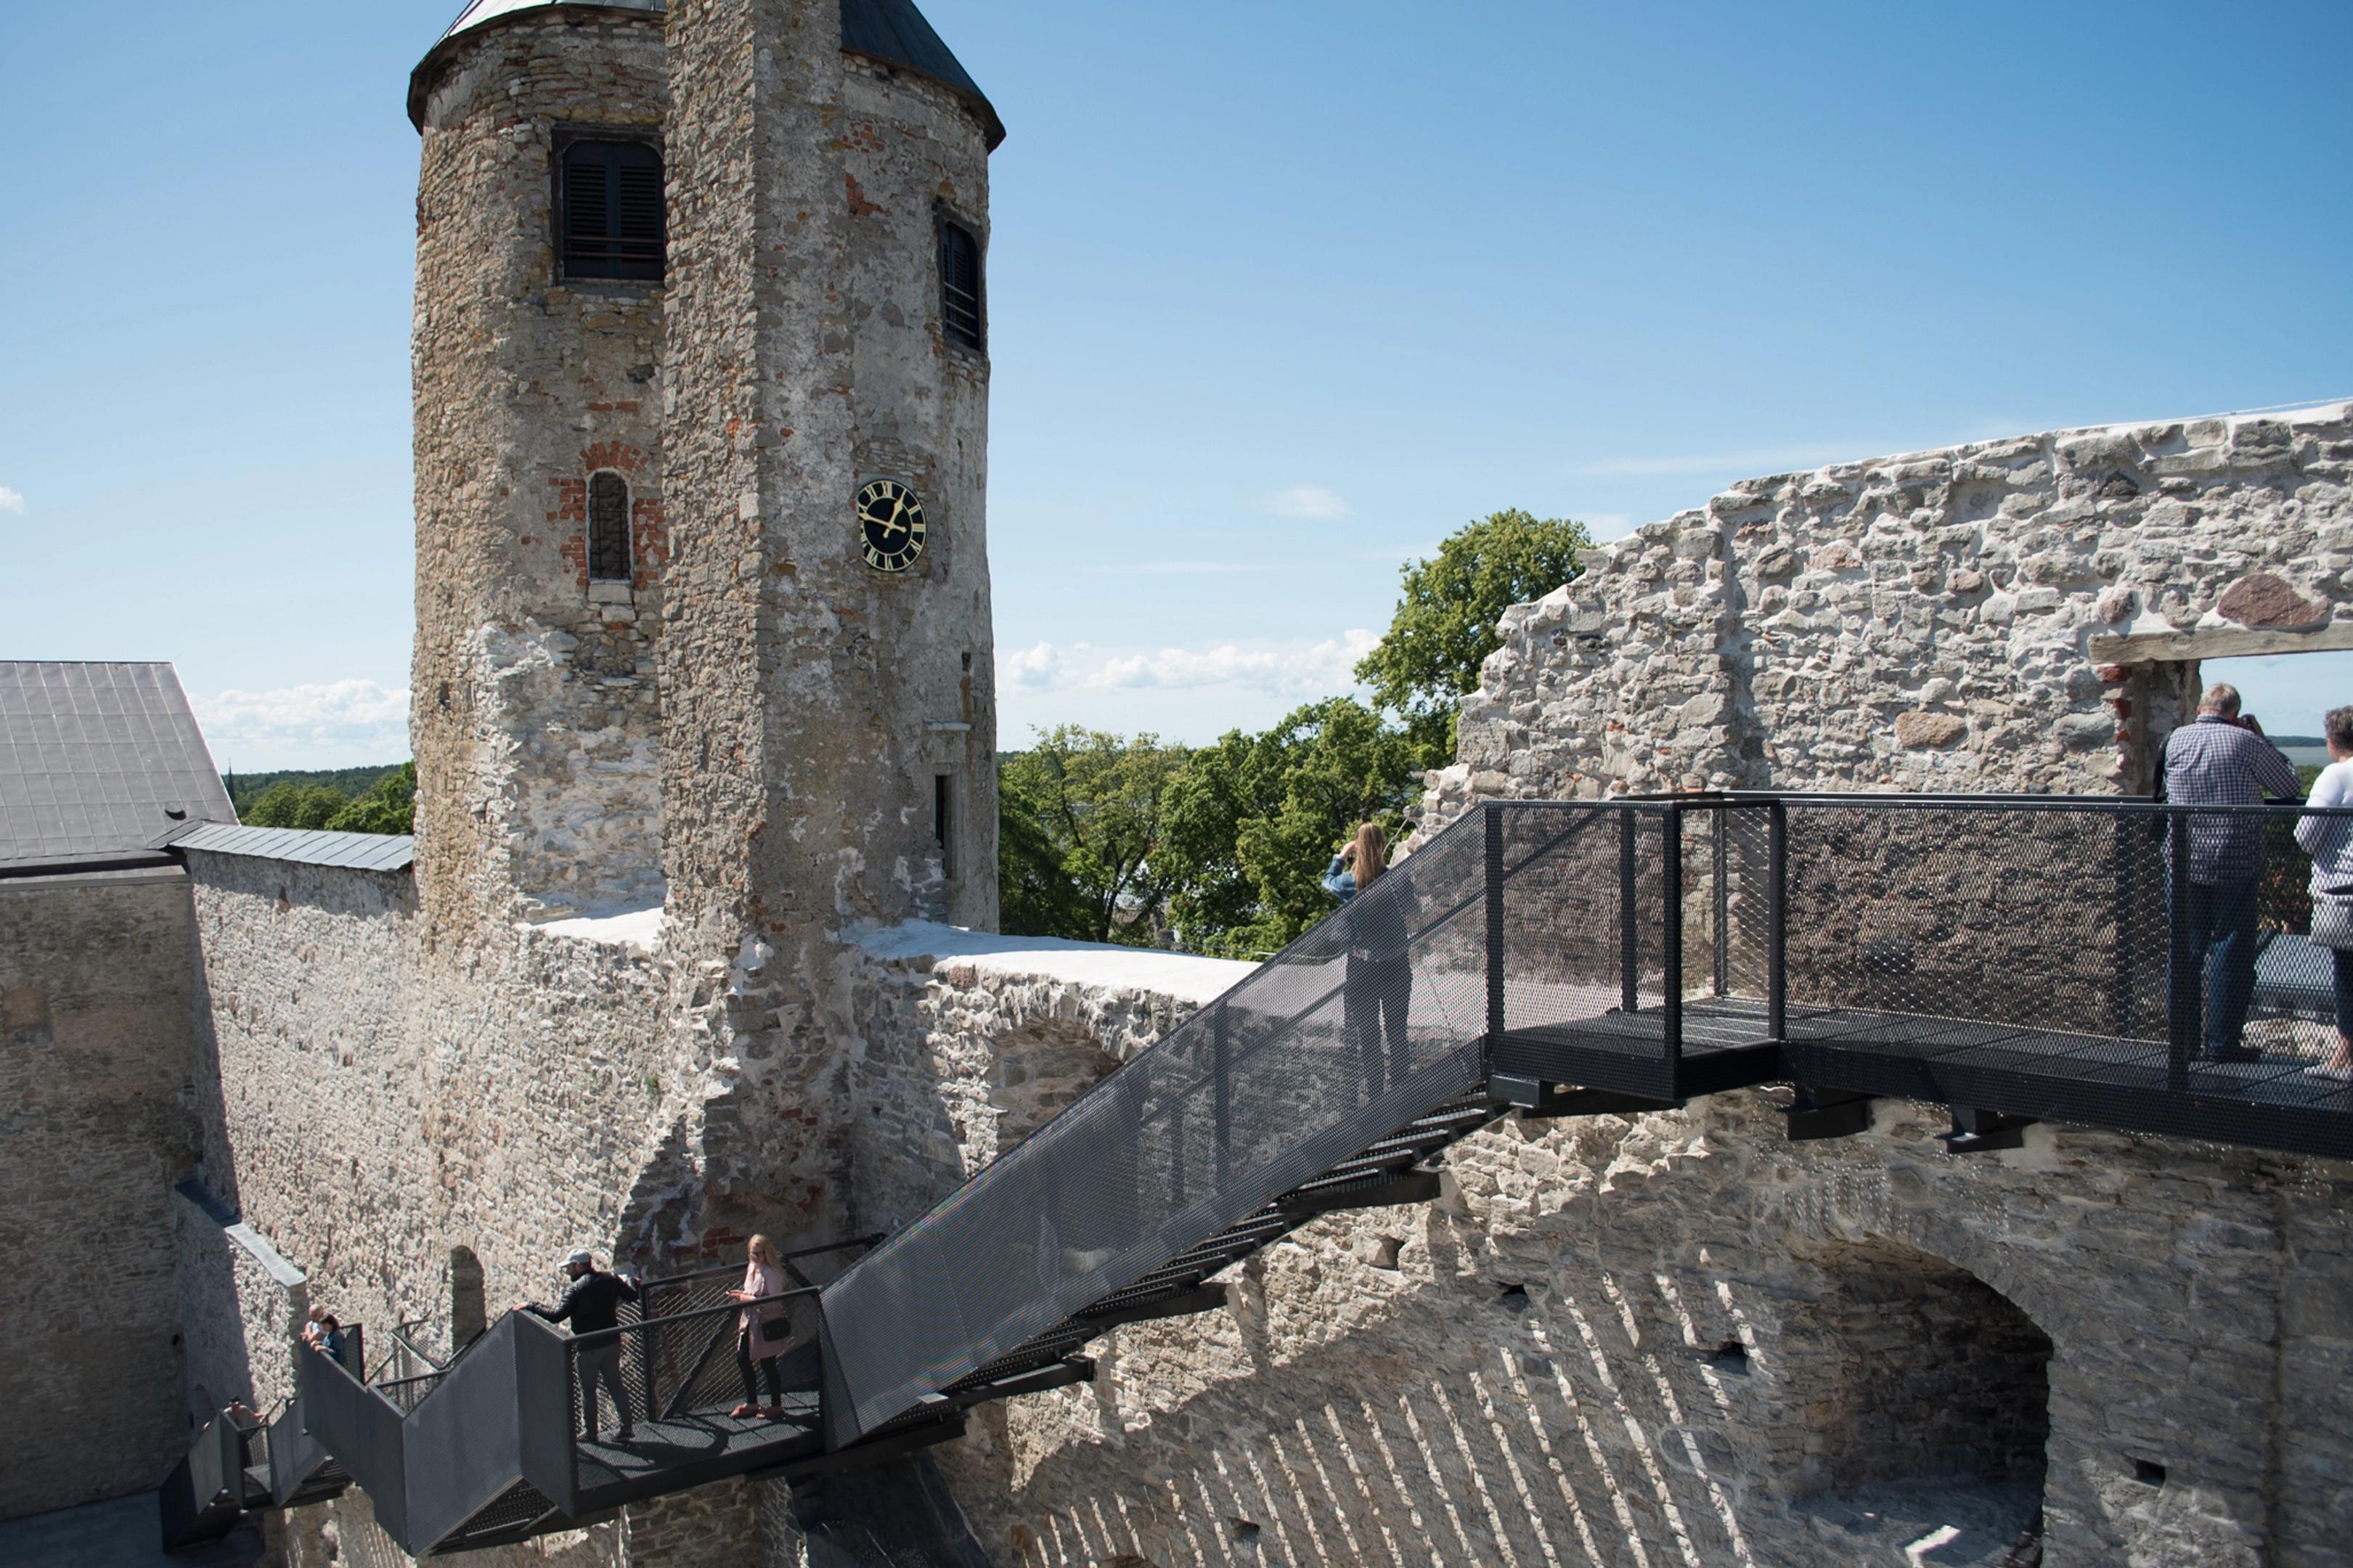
[
  {"x": 768, "y": 308},
  {"x": 540, "y": 535}
]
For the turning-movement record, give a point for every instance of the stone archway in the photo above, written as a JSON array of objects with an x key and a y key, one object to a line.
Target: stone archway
[{"x": 1913, "y": 1388}]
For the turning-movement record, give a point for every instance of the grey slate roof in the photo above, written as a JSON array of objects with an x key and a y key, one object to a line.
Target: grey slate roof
[
  {"x": 889, "y": 30},
  {"x": 357, "y": 851},
  {"x": 94, "y": 759}
]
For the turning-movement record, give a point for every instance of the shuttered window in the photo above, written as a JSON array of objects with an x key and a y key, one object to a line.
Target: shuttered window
[
  {"x": 612, "y": 218},
  {"x": 960, "y": 297},
  {"x": 608, "y": 529}
]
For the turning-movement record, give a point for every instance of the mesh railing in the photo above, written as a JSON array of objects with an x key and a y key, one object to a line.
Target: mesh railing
[
  {"x": 1661, "y": 948},
  {"x": 1368, "y": 1020},
  {"x": 685, "y": 1364},
  {"x": 2064, "y": 937}
]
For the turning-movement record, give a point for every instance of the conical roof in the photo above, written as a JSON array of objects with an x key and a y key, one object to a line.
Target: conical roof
[{"x": 893, "y": 31}]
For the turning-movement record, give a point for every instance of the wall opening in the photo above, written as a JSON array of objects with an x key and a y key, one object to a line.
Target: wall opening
[
  {"x": 468, "y": 1313},
  {"x": 1041, "y": 1068},
  {"x": 1908, "y": 1373}
]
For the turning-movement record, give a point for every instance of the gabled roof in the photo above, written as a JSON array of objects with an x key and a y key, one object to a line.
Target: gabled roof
[
  {"x": 99, "y": 763},
  {"x": 893, "y": 31}
]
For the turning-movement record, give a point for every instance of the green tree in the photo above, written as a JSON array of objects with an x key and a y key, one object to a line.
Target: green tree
[
  {"x": 1445, "y": 623},
  {"x": 390, "y": 807},
  {"x": 1036, "y": 895},
  {"x": 287, "y": 804},
  {"x": 1254, "y": 821},
  {"x": 1095, "y": 801}
]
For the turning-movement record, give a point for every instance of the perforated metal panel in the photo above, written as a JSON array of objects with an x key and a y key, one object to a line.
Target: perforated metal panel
[{"x": 1372, "y": 1019}]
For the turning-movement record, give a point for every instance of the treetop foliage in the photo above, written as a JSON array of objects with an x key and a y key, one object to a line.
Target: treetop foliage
[
  {"x": 1444, "y": 627},
  {"x": 388, "y": 806}
]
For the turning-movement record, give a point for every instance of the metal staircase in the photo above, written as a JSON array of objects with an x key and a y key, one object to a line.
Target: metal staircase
[{"x": 2012, "y": 956}]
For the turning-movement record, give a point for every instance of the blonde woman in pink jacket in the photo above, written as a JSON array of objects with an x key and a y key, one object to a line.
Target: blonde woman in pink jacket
[{"x": 762, "y": 1331}]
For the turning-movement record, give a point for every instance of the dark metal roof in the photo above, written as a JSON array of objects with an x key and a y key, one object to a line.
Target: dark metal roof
[
  {"x": 95, "y": 759},
  {"x": 893, "y": 31},
  {"x": 306, "y": 846}
]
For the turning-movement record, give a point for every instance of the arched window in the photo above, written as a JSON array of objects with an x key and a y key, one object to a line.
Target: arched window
[
  {"x": 608, "y": 529},
  {"x": 611, "y": 221},
  {"x": 960, "y": 311},
  {"x": 468, "y": 1316}
]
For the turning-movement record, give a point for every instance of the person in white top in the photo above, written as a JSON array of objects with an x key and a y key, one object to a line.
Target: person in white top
[
  {"x": 762, "y": 1331},
  {"x": 2329, "y": 841}
]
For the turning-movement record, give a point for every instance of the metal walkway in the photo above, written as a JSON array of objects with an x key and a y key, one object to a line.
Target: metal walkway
[{"x": 2014, "y": 957}]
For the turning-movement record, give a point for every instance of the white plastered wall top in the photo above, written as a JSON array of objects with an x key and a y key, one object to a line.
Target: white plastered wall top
[{"x": 1182, "y": 976}]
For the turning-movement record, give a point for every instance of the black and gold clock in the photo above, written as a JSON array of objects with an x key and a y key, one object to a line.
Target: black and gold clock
[{"x": 890, "y": 524}]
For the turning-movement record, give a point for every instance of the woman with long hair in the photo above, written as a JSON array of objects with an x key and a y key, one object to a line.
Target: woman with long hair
[
  {"x": 762, "y": 1331},
  {"x": 1378, "y": 995}
]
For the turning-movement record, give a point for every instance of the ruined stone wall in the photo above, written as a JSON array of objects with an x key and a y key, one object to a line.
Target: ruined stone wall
[
  {"x": 969, "y": 1045},
  {"x": 1674, "y": 1340},
  {"x": 369, "y": 1113},
  {"x": 2011, "y": 614},
  {"x": 536, "y": 714},
  {"x": 93, "y": 1040}
]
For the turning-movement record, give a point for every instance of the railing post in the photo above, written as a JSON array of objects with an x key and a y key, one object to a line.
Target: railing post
[
  {"x": 1671, "y": 896},
  {"x": 2120, "y": 968},
  {"x": 1494, "y": 924},
  {"x": 1720, "y": 867},
  {"x": 1223, "y": 1092},
  {"x": 1629, "y": 925},
  {"x": 2183, "y": 1015},
  {"x": 1776, "y": 914}
]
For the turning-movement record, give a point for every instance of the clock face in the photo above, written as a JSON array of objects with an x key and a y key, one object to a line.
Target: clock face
[{"x": 890, "y": 525}]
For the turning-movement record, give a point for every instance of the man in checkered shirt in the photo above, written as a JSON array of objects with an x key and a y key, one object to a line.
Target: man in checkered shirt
[{"x": 2223, "y": 760}]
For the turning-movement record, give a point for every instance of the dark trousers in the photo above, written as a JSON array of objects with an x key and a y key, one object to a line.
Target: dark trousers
[
  {"x": 2222, "y": 923},
  {"x": 2344, "y": 957},
  {"x": 1374, "y": 1002},
  {"x": 767, "y": 1366},
  {"x": 600, "y": 1366}
]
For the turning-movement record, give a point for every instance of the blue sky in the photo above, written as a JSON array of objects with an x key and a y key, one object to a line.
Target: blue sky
[{"x": 1280, "y": 294}]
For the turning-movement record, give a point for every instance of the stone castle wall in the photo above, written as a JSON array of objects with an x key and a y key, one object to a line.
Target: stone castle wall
[
  {"x": 2011, "y": 615},
  {"x": 1682, "y": 1339},
  {"x": 368, "y": 1112},
  {"x": 537, "y": 717},
  {"x": 93, "y": 1040}
]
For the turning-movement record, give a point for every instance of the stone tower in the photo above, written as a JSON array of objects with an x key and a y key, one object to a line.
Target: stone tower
[
  {"x": 629, "y": 683},
  {"x": 831, "y": 723},
  {"x": 540, "y": 536}
]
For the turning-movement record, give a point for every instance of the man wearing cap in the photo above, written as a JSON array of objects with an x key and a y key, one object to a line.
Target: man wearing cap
[{"x": 593, "y": 1304}]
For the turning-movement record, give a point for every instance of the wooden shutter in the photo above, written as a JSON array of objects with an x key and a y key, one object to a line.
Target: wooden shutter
[{"x": 613, "y": 218}]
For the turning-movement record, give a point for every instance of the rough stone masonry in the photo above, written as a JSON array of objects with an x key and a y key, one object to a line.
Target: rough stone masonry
[{"x": 1674, "y": 1340}]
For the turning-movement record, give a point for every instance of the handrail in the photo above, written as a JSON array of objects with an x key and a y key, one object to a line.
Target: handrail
[
  {"x": 1252, "y": 1051},
  {"x": 599, "y": 1335}
]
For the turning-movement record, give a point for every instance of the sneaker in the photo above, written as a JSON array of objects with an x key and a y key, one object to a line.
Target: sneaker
[{"x": 2236, "y": 1054}]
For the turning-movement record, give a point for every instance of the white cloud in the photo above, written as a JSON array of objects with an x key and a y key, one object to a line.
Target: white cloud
[
  {"x": 295, "y": 726},
  {"x": 1312, "y": 501},
  {"x": 1037, "y": 668},
  {"x": 11, "y": 500},
  {"x": 1289, "y": 669}
]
